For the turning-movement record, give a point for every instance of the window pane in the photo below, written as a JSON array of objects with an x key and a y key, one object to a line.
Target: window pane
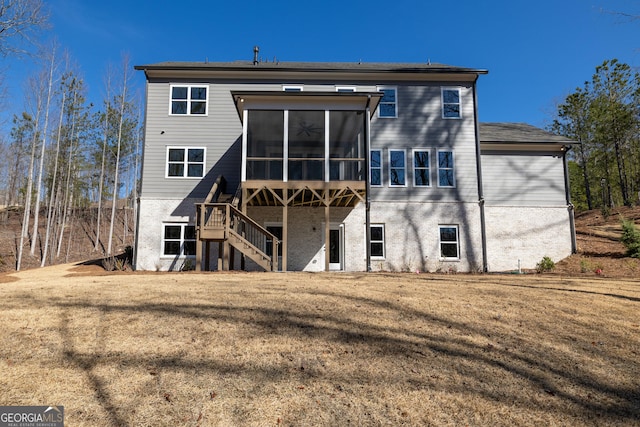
[
  {"x": 176, "y": 155},
  {"x": 189, "y": 232},
  {"x": 198, "y": 93},
  {"x": 389, "y": 95},
  {"x": 397, "y": 159},
  {"x": 176, "y": 169},
  {"x": 397, "y": 176},
  {"x": 445, "y": 178},
  {"x": 451, "y": 96},
  {"x": 445, "y": 159},
  {"x": 422, "y": 177},
  {"x": 172, "y": 231},
  {"x": 190, "y": 248},
  {"x": 195, "y": 170},
  {"x": 179, "y": 92},
  {"x": 179, "y": 107},
  {"x": 172, "y": 248},
  {"x": 306, "y": 134},
  {"x": 375, "y": 159},
  {"x": 421, "y": 159},
  {"x": 376, "y": 179},
  {"x": 387, "y": 110},
  {"x": 449, "y": 250},
  {"x": 451, "y": 110},
  {"x": 198, "y": 107},
  {"x": 265, "y": 134},
  {"x": 448, "y": 234},
  {"x": 196, "y": 155},
  {"x": 376, "y": 233},
  {"x": 377, "y": 249}
]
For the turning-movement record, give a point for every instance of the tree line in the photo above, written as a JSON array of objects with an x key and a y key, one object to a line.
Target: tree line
[
  {"x": 603, "y": 116},
  {"x": 64, "y": 155}
]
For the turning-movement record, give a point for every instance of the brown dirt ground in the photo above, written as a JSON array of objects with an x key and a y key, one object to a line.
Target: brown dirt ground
[{"x": 599, "y": 246}]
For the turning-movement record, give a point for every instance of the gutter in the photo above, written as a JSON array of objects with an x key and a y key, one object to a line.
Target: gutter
[
  {"x": 367, "y": 211},
  {"x": 483, "y": 225}
]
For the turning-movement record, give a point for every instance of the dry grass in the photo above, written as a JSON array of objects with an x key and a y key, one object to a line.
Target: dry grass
[{"x": 321, "y": 349}]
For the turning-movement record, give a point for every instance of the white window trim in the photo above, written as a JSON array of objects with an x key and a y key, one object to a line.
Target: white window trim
[
  {"x": 381, "y": 168},
  {"x": 395, "y": 88},
  {"x": 181, "y": 255},
  {"x": 404, "y": 155},
  {"x": 346, "y": 89},
  {"x": 383, "y": 241},
  {"x": 437, "y": 160},
  {"x": 293, "y": 88},
  {"x": 413, "y": 167},
  {"x": 186, "y": 162},
  {"x": 443, "y": 258},
  {"x": 188, "y": 100},
  {"x": 442, "y": 89}
]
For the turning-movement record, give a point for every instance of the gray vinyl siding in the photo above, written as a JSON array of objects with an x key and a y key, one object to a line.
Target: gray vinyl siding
[
  {"x": 525, "y": 179},
  {"x": 420, "y": 125}
]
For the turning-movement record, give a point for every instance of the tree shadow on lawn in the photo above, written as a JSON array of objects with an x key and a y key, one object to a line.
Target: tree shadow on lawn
[{"x": 422, "y": 349}]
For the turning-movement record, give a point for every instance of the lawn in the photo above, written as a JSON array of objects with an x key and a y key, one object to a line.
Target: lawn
[{"x": 297, "y": 349}]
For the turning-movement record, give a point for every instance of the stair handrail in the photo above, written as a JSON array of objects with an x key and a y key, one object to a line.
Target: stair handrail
[
  {"x": 218, "y": 187},
  {"x": 252, "y": 232}
]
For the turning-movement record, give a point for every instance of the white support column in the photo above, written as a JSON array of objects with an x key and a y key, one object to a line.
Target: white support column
[{"x": 245, "y": 119}]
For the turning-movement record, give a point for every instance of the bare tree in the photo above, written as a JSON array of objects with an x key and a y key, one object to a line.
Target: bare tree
[{"x": 20, "y": 20}]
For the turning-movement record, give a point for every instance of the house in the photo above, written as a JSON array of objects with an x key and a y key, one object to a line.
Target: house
[{"x": 341, "y": 166}]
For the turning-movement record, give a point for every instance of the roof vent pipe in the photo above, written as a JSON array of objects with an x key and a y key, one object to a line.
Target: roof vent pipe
[{"x": 256, "y": 49}]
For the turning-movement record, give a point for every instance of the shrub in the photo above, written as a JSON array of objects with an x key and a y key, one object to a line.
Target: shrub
[
  {"x": 631, "y": 238},
  {"x": 546, "y": 264}
]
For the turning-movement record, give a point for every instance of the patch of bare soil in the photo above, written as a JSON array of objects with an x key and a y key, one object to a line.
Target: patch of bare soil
[{"x": 600, "y": 251}]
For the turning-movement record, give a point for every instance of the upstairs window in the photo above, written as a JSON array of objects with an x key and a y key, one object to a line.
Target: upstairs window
[
  {"x": 421, "y": 168},
  {"x": 446, "y": 171},
  {"x": 189, "y": 100},
  {"x": 388, "y": 107},
  {"x": 375, "y": 167},
  {"x": 292, "y": 88},
  {"x": 179, "y": 240},
  {"x": 185, "y": 162},
  {"x": 345, "y": 88},
  {"x": 397, "y": 168},
  {"x": 451, "y": 103},
  {"x": 449, "y": 242}
]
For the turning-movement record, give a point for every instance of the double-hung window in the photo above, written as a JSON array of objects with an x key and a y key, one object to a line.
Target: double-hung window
[
  {"x": 451, "y": 103},
  {"x": 377, "y": 241},
  {"x": 449, "y": 242},
  {"x": 421, "y": 168},
  {"x": 189, "y": 100},
  {"x": 185, "y": 162},
  {"x": 178, "y": 240},
  {"x": 446, "y": 170},
  {"x": 397, "y": 168},
  {"x": 375, "y": 168},
  {"x": 388, "y": 107}
]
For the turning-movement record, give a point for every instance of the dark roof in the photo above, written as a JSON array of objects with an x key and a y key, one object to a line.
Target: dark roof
[
  {"x": 515, "y": 133},
  {"x": 313, "y": 66}
]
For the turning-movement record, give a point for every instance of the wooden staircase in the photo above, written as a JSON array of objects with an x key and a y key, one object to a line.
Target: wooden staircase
[{"x": 219, "y": 220}]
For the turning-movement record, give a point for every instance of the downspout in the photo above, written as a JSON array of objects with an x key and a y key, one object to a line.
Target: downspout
[
  {"x": 567, "y": 191},
  {"x": 483, "y": 226},
  {"x": 367, "y": 214}
]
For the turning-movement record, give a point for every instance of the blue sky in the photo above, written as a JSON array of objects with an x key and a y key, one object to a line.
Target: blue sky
[{"x": 536, "y": 52}]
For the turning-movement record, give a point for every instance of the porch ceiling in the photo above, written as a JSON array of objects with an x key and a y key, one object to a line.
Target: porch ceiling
[{"x": 304, "y": 193}]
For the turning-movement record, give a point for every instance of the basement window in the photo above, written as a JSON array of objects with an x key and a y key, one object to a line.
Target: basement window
[
  {"x": 178, "y": 240},
  {"x": 449, "y": 242}
]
